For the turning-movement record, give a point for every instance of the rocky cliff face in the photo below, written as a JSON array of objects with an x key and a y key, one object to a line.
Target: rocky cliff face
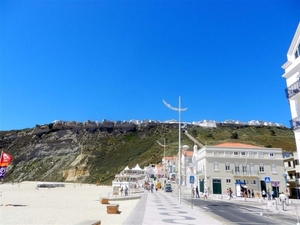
[
  {"x": 94, "y": 152},
  {"x": 63, "y": 151}
]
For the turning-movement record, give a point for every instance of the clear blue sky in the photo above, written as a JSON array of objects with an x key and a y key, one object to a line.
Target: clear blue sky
[{"x": 117, "y": 60}]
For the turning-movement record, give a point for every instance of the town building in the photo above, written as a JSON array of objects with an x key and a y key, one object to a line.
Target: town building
[
  {"x": 292, "y": 76},
  {"x": 239, "y": 166}
]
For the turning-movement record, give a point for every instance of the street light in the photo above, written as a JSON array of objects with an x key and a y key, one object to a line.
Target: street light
[
  {"x": 179, "y": 109},
  {"x": 164, "y": 162},
  {"x": 286, "y": 186},
  {"x": 296, "y": 181}
]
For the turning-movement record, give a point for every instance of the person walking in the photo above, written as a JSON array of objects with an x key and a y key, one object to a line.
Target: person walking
[
  {"x": 273, "y": 195},
  {"x": 263, "y": 193},
  {"x": 230, "y": 193},
  {"x": 269, "y": 194},
  {"x": 197, "y": 192},
  {"x": 193, "y": 192},
  {"x": 283, "y": 199},
  {"x": 205, "y": 194}
]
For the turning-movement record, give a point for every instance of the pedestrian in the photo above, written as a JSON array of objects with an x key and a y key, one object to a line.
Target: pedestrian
[
  {"x": 273, "y": 194},
  {"x": 252, "y": 192},
  {"x": 197, "y": 192},
  {"x": 249, "y": 193},
  {"x": 151, "y": 188},
  {"x": 283, "y": 199},
  {"x": 263, "y": 194},
  {"x": 126, "y": 190},
  {"x": 156, "y": 188},
  {"x": 269, "y": 194},
  {"x": 205, "y": 194},
  {"x": 230, "y": 193},
  {"x": 121, "y": 191},
  {"x": 193, "y": 192}
]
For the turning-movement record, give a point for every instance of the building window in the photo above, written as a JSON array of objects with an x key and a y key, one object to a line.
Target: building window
[
  {"x": 227, "y": 166},
  {"x": 235, "y": 153},
  {"x": 216, "y": 153},
  {"x": 253, "y": 181},
  {"x": 272, "y": 154},
  {"x": 261, "y": 168},
  {"x": 260, "y": 154},
  {"x": 228, "y": 181},
  {"x": 297, "y": 53},
  {"x": 216, "y": 166},
  {"x": 237, "y": 169},
  {"x": 252, "y": 171},
  {"x": 244, "y": 169},
  {"x": 273, "y": 168},
  {"x": 243, "y": 153}
]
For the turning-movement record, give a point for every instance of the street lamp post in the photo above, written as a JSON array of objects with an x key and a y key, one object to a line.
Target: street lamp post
[
  {"x": 179, "y": 109},
  {"x": 286, "y": 187},
  {"x": 164, "y": 162},
  {"x": 296, "y": 181}
]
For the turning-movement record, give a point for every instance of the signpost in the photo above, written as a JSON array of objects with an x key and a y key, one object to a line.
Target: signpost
[
  {"x": 192, "y": 179},
  {"x": 267, "y": 180},
  {"x": 276, "y": 188}
]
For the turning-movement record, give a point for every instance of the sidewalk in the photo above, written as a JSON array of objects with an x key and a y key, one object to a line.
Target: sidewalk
[{"x": 161, "y": 208}]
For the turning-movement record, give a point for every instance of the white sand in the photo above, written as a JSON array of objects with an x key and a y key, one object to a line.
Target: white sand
[{"x": 73, "y": 204}]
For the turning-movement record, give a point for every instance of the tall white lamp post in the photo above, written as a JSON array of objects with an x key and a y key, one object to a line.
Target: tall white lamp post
[
  {"x": 179, "y": 109},
  {"x": 164, "y": 162}
]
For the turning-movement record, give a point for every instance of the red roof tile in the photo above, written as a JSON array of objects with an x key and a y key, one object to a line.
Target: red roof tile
[{"x": 236, "y": 145}]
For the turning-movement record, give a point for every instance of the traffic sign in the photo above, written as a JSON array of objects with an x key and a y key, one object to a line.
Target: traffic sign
[
  {"x": 275, "y": 184},
  {"x": 192, "y": 179},
  {"x": 267, "y": 179}
]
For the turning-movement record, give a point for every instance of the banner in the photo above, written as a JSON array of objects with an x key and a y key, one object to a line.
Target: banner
[{"x": 5, "y": 160}]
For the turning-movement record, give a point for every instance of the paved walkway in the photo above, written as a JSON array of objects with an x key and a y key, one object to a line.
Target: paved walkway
[{"x": 161, "y": 208}]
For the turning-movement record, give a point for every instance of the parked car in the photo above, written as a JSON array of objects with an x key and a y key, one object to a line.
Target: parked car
[{"x": 169, "y": 189}]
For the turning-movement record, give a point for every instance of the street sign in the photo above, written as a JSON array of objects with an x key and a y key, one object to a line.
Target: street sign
[
  {"x": 275, "y": 184},
  {"x": 192, "y": 179},
  {"x": 267, "y": 179}
]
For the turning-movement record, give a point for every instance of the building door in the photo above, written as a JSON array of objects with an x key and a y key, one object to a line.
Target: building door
[
  {"x": 217, "y": 188},
  {"x": 201, "y": 185},
  {"x": 263, "y": 186}
]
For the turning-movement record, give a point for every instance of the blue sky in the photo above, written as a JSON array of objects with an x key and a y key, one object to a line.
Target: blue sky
[{"x": 117, "y": 60}]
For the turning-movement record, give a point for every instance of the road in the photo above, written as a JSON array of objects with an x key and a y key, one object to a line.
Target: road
[{"x": 247, "y": 213}]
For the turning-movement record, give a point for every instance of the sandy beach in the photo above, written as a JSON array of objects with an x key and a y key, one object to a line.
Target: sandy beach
[{"x": 73, "y": 204}]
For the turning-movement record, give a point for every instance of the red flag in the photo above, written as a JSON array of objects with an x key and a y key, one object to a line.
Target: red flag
[{"x": 5, "y": 159}]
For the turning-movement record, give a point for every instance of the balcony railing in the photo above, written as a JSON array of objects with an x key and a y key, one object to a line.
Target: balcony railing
[
  {"x": 292, "y": 89},
  {"x": 295, "y": 123},
  {"x": 249, "y": 173}
]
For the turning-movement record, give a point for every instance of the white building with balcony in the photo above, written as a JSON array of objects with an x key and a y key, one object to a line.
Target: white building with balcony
[{"x": 292, "y": 76}]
